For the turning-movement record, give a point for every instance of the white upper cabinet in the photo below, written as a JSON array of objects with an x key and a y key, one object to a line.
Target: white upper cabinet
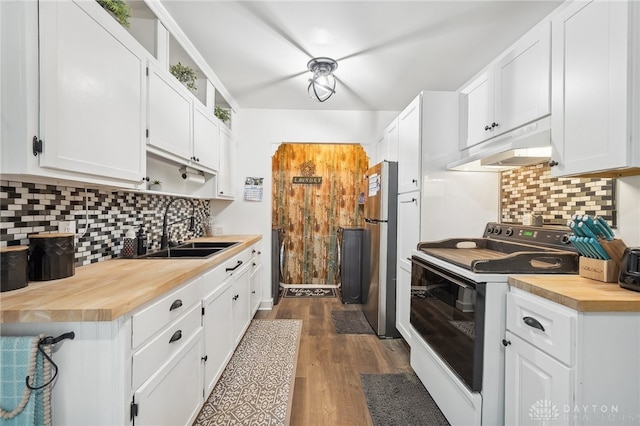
[
  {"x": 595, "y": 86},
  {"x": 512, "y": 91},
  {"x": 206, "y": 138},
  {"x": 170, "y": 115},
  {"x": 390, "y": 142},
  {"x": 86, "y": 100},
  {"x": 477, "y": 109},
  {"x": 409, "y": 134},
  {"x": 226, "y": 187}
]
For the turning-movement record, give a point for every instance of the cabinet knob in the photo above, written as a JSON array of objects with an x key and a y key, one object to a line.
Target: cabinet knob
[
  {"x": 487, "y": 128},
  {"x": 506, "y": 342},
  {"x": 494, "y": 124},
  {"x": 553, "y": 163},
  {"x": 414, "y": 181},
  {"x": 253, "y": 292},
  {"x": 236, "y": 297},
  {"x": 145, "y": 179},
  {"x": 205, "y": 358}
]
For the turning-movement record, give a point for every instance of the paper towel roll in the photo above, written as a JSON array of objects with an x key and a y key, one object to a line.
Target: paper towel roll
[{"x": 193, "y": 177}]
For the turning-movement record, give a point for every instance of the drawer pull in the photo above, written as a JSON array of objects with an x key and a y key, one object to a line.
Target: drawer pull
[
  {"x": 235, "y": 267},
  {"x": 176, "y": 336},
  {"x": 532, "y": 322},
  {"x": 176, "y": 304}
]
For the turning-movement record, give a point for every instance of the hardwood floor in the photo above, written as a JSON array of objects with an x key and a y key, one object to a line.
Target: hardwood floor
[{"x": 327, "y": 385}]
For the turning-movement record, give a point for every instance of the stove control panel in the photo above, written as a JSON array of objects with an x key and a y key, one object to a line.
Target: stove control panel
[{"x": 553, "y": 237}]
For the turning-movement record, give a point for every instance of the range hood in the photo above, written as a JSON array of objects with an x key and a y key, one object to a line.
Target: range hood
[{"x": 524, "y": 146}]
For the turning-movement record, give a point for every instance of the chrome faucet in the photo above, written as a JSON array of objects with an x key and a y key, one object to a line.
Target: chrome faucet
[{"x": 164, "y": 240}]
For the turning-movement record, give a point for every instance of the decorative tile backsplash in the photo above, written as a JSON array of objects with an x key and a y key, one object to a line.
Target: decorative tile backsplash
[
  {"x": 532, "y": 190},
  {"x": 27, "y": 208}
]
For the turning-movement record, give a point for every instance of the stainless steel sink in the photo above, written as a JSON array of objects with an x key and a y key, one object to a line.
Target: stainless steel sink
[
  {"x": 195, "y": 250},
  {"x": 208, "y": 244}
]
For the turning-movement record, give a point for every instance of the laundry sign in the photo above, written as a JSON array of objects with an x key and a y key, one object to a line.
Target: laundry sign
[
  {"x": 307, "y": 180},
  {"x": 307, "y": 170}
]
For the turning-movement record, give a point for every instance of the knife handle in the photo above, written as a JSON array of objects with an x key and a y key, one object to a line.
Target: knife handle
[
  {"x": 596, "y": 245},
  {"x": 606, "y": 226}
]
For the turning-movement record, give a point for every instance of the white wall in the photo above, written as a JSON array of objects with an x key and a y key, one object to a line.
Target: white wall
[
  {"x": 628, "y": 205},
  {"x": 259, "y": 133}
]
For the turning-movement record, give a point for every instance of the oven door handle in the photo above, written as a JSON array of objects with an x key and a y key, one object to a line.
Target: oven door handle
[{"x": 447, "y": 277}]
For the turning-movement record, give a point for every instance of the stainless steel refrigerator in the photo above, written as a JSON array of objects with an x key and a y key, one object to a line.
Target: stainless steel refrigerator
[{"x": 380, "y": 213}]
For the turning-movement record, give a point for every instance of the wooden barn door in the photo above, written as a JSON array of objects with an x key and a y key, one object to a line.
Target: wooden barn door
[{"x": 316, "y": 190}]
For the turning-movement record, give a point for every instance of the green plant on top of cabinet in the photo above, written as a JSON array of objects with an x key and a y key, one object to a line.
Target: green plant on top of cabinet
[
  {"x": 596, "y": 89},
  {"x": 119, "y": 9},
  {"x": 511, "y": 92},
  {"x": 85, "y": 135},
  {"x": 222, "y": 114},
  {"x": 185, "y": 75}
]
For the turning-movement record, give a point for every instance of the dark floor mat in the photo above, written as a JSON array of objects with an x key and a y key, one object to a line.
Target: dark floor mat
[
  {"x": 400, "y": 399},
  {"x": 351, "y": 322}
]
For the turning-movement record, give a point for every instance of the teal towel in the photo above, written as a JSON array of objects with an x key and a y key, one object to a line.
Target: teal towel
[{"x": 15, "y": 354}]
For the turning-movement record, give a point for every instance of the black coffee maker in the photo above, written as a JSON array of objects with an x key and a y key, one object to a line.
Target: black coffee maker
[{"x": 630, "y": 269}]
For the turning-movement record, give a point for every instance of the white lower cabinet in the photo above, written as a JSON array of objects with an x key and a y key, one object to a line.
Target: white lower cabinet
[
  {"x": 158, "y": 364},
  {"x": 403, "y": 299},
  {"x": 564, "y": 367},
  {"x": 256, "y": 279},
  {"x": 240, "y": 303},
  {"x": 173, "y": 395},
  {"x": 217, "y": 333},
  {"x": 536, "y": 385}
]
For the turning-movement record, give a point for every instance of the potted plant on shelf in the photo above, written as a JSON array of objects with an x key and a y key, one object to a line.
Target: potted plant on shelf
[
  {"x": 222, "y": 114},
  {"x": 185, "y": 75},
  {"x": 155, "y": 185},
  {"x": 119, "y": 9}
]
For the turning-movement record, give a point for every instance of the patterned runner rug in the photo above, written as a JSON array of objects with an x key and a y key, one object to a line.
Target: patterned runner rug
[
  {"x": 309, "y": 292},
  {"x": 256, "y": 387}
]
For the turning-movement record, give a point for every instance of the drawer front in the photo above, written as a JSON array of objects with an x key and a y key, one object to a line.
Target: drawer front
[
  {"x": 156, "y": 316},
  {"x": 164, "y": 346},
  {"x": 544, "y": 324},
  {"x": 236, "y": 263}
]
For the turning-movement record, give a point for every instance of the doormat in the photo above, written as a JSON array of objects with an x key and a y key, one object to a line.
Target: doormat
[
  {"x": 350, "y": 322},
  {"x": 256, "y": 387},
  {"x": 309, "y": 292},
  {"x": 399, "y": 400}
]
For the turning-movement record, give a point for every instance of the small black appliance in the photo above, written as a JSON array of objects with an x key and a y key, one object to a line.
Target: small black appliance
[{"x": 630, "y": 269}]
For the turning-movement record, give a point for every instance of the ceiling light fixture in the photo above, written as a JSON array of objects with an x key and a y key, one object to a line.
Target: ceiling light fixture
[{"x": 323, "y": 83}]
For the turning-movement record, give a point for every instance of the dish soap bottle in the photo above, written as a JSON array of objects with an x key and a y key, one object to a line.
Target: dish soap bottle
[
  {"x": 142, "y": 241},
  {"x": 129, "y": 246}
]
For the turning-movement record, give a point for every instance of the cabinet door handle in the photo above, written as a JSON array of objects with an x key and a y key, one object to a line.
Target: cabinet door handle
[
  {"x": 235, "y": 267},
  {"x": 176, "y": 304},
  {"x": 532, "y": 322},
  {"x": 413, "y": 200},
  {"x": 176, "y": 336}
]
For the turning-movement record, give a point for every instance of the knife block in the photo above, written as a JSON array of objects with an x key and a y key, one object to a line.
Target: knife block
[
  {"x": 615, "y": 249},
  {"x": 600, "y": 270}
]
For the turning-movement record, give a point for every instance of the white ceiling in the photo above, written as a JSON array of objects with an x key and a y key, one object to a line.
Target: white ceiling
[{"x": 387, "y": 51}]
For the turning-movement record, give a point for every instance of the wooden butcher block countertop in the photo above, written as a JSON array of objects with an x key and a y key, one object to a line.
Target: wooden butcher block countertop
[
  {"x": 107, "y": 290},
  {"x": 579, "y": 293}
]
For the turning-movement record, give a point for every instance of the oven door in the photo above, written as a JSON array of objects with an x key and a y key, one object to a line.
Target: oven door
[{"x": 447, "y": 311}]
